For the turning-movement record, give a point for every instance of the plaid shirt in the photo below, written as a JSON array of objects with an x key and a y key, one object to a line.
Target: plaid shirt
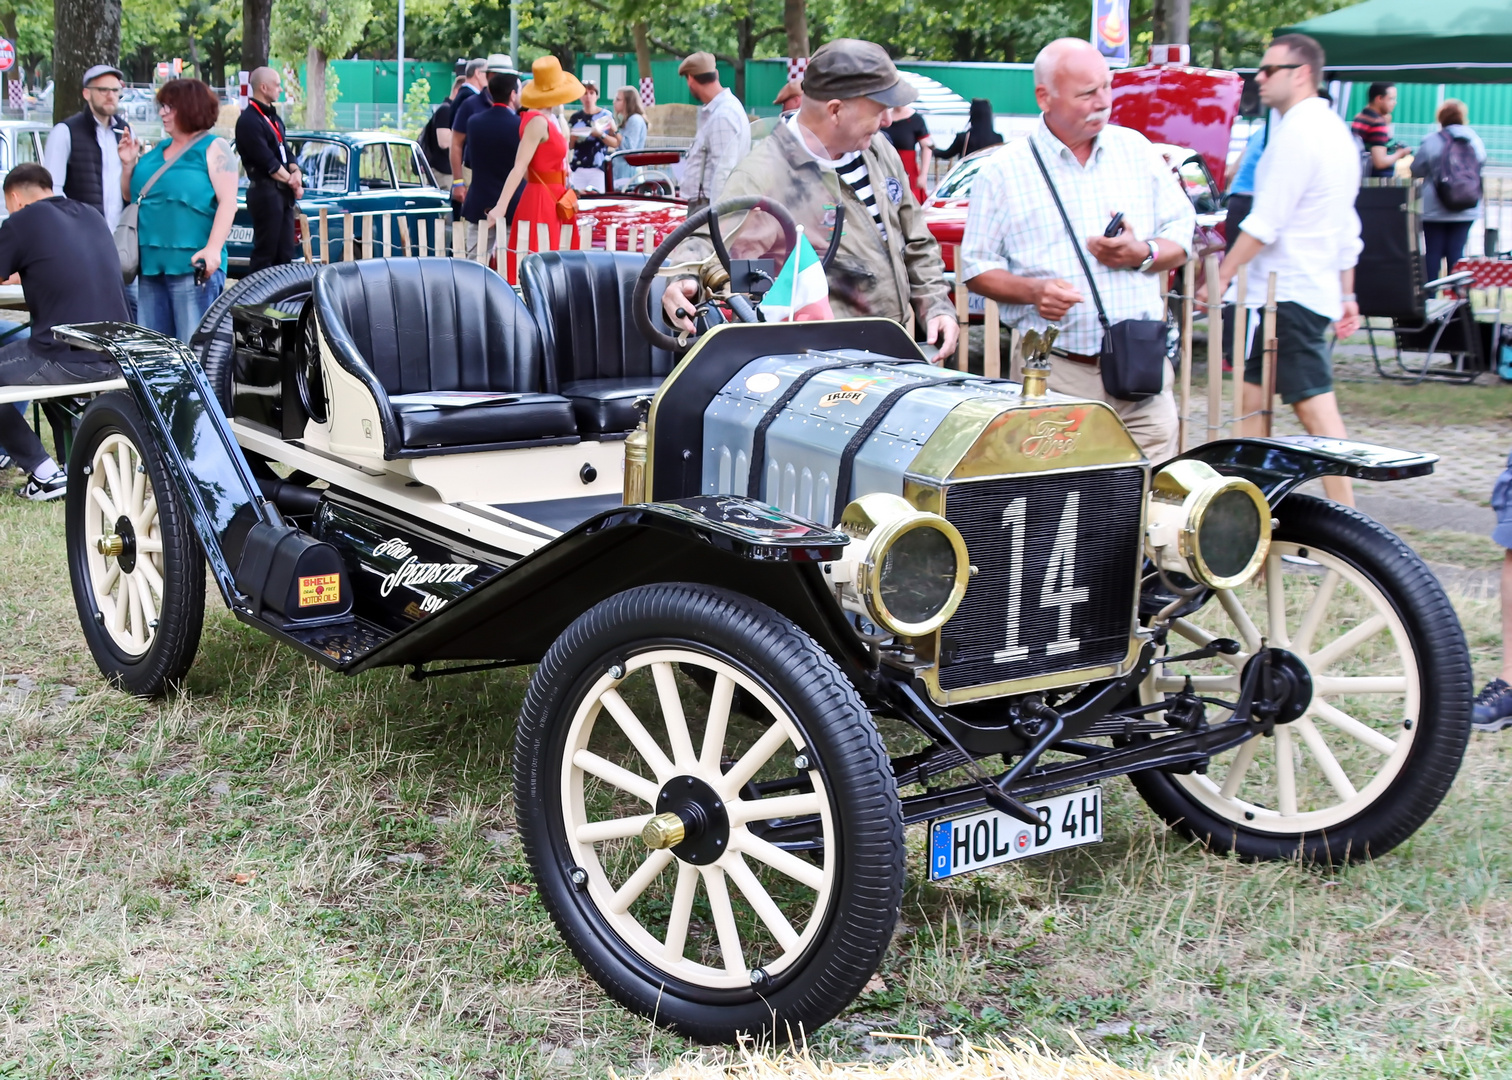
[
  {"x": 724, "y": 137},
  {"x": 1012, "y": 224}
]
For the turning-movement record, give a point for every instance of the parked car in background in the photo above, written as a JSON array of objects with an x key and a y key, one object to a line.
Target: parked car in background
[
  {"x": 21, "y": 141},
  {"x": 354, "y": 172}
]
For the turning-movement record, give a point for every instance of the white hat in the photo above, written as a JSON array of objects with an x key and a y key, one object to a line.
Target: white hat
[{"x": 500, "y": 62}]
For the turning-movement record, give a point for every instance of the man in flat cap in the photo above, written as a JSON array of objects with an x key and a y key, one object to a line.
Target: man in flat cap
[
  {"x": 830, "y": 154},
  {"x": 724, "y": 131}
]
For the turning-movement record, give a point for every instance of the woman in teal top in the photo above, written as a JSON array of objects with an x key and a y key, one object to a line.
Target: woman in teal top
[{"x": 185, "y": 216}]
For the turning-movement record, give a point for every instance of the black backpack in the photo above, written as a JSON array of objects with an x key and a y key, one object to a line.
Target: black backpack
[{"x": 1457, "y": 174}]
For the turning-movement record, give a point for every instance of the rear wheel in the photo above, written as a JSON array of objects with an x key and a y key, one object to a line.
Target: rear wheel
[
  {"x": 137, "y": 570},
  {"x": 702, "y": 923},
  {"x": 1381, "y": 738}
]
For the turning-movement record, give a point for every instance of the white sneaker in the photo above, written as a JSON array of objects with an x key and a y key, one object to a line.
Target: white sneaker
[{"x": 54, "y": 487}]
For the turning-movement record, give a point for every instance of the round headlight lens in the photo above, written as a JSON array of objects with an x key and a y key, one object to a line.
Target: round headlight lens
[
  {"x": 1229, "y": 533},
  {"x": 918, "y": 575}
]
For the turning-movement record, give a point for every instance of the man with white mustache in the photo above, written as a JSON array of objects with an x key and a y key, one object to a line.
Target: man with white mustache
[{"x": 1017, "y": 250}]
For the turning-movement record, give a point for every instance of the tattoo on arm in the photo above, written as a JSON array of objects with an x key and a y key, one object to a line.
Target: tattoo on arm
[{"x": 221, "y": 157}]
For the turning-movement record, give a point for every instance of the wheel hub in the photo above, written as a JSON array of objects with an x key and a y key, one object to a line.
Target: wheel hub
[
  {"x": 690, "y": 820},
  {"x": 1287, "y": 686},
  {"x": 121, "y": 544}
]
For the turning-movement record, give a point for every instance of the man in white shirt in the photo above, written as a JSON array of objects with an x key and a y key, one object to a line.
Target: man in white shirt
[
  {"x": 724, "y": 131},
  {"x": 1017, "y": 251},
  {"x": 1304, "y": 229},
  {"x": 82, "y": 152}
]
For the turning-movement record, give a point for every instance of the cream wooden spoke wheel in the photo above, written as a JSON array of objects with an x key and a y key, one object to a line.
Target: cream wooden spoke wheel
[
  {"x": 137, "y": 570},
  {"x": 124, "y": 544},
  {"x": 709, "y": 813},
  {"x": 1385, "y": 723}
]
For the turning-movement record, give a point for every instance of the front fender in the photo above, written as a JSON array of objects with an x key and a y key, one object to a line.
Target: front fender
[
  {"x": 1279, "y": 464},
  {"x": 723, "y": 542}
]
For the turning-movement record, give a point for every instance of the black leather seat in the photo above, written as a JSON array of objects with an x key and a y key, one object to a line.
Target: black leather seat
[
  {"x": 594, "y": 354},
  {"x": 415, "y": 328}
]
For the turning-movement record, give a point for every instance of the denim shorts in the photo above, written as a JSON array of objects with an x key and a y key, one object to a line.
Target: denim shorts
[{"x": 1501, "y": 502}]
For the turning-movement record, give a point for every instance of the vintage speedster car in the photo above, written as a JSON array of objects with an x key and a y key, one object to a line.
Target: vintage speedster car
[{"x": 815, "y": 539}]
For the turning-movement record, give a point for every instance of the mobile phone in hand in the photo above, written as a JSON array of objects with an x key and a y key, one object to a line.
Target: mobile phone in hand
[
  {"x": 1115, "y": 226},
  {"x": 201, "y": 274}
]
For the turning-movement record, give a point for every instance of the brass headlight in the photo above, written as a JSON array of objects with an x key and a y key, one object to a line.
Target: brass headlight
[
  {"x": 910, "y": 566},
  {"x": 1215, "y": 529}
]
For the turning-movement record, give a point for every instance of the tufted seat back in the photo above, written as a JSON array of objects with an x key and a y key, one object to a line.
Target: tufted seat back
[{"x": 417, "y": 326}]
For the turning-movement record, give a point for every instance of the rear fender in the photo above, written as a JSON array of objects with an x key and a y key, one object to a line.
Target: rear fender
[
  {"x": 186, "y": 421},
  {"x": 1280, "y": 464},
  {"x": 723, "y": 542}
]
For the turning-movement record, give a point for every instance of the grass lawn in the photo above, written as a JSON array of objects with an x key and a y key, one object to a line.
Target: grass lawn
[{"x": 282, "y": 872}]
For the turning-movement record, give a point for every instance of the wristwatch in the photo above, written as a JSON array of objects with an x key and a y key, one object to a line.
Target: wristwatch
[{"x": 1150, "y": 259}]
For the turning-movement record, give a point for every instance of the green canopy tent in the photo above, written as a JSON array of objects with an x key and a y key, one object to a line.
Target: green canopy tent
[{"x": 1446, "y": 41}]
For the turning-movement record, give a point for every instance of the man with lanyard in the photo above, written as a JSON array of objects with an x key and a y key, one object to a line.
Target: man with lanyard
[
  {"x": 273, "y": 181},
  {"x": 827, "y": 155},
  {"x": 464, "y": 108}
]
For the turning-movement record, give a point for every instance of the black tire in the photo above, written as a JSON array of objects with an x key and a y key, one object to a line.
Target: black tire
[
  {"x": 1441, "y": 728},
  {"x": 845, "y": 937},
  {"x": 170, "y": 644},
  {"x": 289, "y": 283}
]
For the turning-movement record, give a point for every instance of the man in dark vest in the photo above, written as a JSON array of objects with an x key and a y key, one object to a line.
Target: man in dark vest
[
  {"x": 273, "y": 180},
  {"x": 82, "y": 153}
]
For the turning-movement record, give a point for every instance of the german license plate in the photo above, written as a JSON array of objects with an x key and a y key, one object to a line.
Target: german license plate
[
  {"x": 240, "y": 234},
  {"x": 990, "y": 838}
]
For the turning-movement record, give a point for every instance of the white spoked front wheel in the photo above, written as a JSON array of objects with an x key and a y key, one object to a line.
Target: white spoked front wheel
[
  {"x": 709, "y": 813},
  {"x": 1386, "y": 717},
  {"x": 137, "y": 570},
  {"x": 124, "y": 544},
  {"x": 762, "y": 902}
]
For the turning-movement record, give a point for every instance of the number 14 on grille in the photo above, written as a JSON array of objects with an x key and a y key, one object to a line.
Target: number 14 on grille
[{"x": 1059, "y": 589}]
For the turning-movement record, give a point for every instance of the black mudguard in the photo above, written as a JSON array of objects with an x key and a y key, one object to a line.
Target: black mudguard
[
  {"x": 1278, "y": 465},
  {"x": 196, "y": 441}
]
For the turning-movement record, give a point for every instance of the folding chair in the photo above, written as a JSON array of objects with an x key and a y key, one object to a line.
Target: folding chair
[{"x": 1389, "y": 283}]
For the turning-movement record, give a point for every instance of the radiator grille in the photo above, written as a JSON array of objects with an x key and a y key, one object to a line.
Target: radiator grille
[{"x": 1075, "y": 587}]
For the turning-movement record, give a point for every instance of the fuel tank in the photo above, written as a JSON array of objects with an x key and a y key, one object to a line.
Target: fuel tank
[{"x": 827, "y": 427}]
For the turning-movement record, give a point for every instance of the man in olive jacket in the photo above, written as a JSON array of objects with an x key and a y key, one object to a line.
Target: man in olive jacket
[{"x": 829, "y": 154}]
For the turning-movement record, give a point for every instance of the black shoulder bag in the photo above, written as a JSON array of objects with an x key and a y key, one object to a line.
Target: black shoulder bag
[{"x": 1134, "y": 352}]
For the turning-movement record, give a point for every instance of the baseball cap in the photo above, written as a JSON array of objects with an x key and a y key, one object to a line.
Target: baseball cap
[
  {"x": 851, "y": 68},
  {"x": 700, "y": 63},
  {"x": 101, "y": 69}
]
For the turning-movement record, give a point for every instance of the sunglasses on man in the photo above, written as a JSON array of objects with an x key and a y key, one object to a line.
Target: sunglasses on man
[{"x": 1270, "y": 69}]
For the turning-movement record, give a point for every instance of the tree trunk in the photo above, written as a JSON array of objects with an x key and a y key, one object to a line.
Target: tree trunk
[
  {"x": 257, "y": 20},
  {"x": 85, "y": 33},
  {"x": 642, "y": 49},
  {"x": 795, "y": 22},
  {"x": 745, "y": 32},
  {"x": 315, "y": 89},
  {"x": 1171, "y": 22}
]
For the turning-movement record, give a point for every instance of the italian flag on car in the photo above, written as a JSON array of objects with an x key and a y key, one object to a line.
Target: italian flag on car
[{"x": 800, "y": 293}]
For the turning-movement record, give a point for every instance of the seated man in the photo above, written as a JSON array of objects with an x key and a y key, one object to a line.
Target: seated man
[{"x": 70, "y": 273}]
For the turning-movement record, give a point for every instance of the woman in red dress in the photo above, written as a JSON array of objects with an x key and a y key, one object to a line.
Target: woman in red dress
[{"x": 540, "y": 164}]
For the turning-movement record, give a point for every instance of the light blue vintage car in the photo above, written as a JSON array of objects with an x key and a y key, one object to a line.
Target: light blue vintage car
[{"x": 352, "y": 172}]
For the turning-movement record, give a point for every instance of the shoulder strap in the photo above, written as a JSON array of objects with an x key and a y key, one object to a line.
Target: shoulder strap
[
  {"x": 1102, "y": 316},
  {"x": 170, "y": 164}
]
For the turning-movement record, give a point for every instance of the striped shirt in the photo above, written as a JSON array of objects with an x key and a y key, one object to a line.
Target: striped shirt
[
  {"x": 1012, "y": 224},
  {"x": 850, "y": 168}
]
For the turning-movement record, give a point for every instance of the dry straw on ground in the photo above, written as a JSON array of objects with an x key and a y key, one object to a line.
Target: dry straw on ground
[{"x": 993, "y": 1060}]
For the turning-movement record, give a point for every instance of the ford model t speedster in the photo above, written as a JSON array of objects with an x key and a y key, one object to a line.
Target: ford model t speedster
[{"x": 814, "y": 539}]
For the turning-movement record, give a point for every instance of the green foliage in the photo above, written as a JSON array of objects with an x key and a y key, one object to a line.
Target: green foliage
[
  {"x": 331, "y": 26},
  {"x": 1233, "y": 33}
]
